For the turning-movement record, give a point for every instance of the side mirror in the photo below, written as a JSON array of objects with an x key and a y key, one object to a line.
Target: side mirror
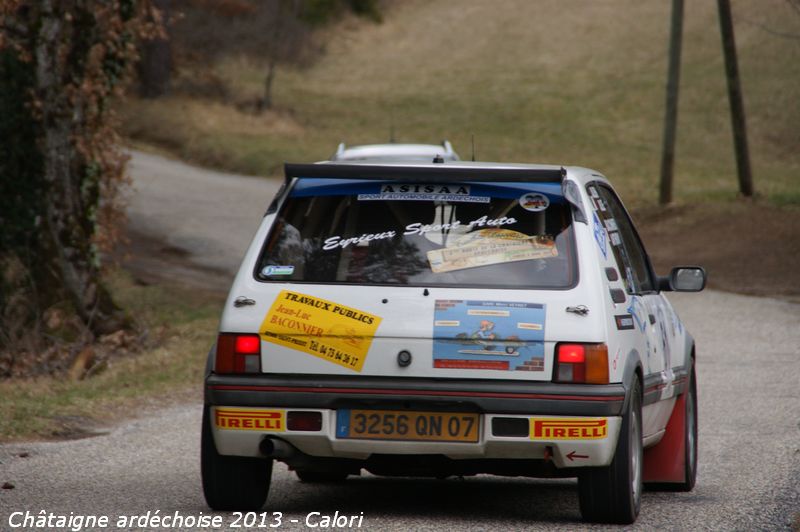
[{"x": 683, "y": 279}]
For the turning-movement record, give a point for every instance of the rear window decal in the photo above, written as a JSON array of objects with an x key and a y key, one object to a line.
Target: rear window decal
[
  {"x": 325, "y": 329},
  {"x": 339, "y": 242},
  {"x": 499, "y": 335},
  {"x": 419, "y": 228},
  {"x": 471, "y": 251},
  {"x": 599, "y": 204},
  {"x": 331, "y": 237},
  {"x": 534, "y": 202},
  {"x": 409, "y": 192},
  {"x": 277, "y": 270}
]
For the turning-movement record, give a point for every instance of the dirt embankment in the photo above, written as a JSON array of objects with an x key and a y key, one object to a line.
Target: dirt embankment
[{"x": 747, "y": 247}]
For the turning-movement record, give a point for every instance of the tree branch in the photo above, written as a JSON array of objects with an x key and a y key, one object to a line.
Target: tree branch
[{"x": 776, "y": 33}]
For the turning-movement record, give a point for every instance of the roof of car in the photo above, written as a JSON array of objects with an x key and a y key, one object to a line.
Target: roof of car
[{"x": 395, "y": 152}]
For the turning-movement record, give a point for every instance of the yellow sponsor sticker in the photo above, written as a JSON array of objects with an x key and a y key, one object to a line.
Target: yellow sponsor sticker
[
  {"x": 250, "y": 419},
  {"x": 568, "y": 428},
  {"x": 326, "y": 329}
]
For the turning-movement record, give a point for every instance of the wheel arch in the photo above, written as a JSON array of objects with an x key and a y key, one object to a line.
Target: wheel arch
[
  {"x": 211, "y": 359},
  {"x": 633, "y": 369}
]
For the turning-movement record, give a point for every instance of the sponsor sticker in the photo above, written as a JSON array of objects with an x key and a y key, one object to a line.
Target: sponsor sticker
[
  {"x": 421, "y": 192},
  {"x": 615, "y": 239},
  {"x": 490, "y": 249},
  {"x": 325, "y": 329},
  {"x": 250, "y": 419},
  {"x": 636, "y": 309},
  {"x": 277, "y": 270},
  {"x": 568, "y": 428},
  {"x": 493, "y": 335},
  {"x": 534, "y": 202},
  {"x": 600, "y": 235},
  {"x": 625, "y": 322},
  {"x": 599, "y": 204}
]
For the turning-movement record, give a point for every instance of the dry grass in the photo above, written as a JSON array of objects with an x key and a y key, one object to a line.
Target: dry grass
[
  {"x": 184, "y": 324},
  {"x": 547, "y": 81}
]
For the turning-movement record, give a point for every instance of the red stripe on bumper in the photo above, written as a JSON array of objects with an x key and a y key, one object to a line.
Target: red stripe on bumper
[{"x": 373, "y": 391}]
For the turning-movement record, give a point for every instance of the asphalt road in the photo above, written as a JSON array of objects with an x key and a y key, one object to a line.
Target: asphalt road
[{"x": 749, "y": 408}]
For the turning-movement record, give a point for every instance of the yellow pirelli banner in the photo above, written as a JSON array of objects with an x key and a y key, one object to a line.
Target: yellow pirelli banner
[
  {"x": 326, "y": 329},
  {"x": 250, "y": 419},
  {"x": 568, "y": 428}
]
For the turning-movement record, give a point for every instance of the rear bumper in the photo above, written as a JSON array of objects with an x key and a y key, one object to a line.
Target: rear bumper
[
  {"x": 460, "y": 395},
  {"x": 525, "y": 401}
]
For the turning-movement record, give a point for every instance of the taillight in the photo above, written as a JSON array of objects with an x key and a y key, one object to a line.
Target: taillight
[
  {"x": 238, "y": 353},
  {"x": 582, "y": 363}
]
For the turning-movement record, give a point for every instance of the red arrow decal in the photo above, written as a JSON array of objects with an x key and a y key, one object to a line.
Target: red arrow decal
[{"x": 572, "y": 456}]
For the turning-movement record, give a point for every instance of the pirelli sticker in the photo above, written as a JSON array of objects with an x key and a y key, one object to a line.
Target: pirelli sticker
[
  {"x": 337, "y": 333},
  {"x": 568, "y": 428},
  {"x": 250, "y": 419}
]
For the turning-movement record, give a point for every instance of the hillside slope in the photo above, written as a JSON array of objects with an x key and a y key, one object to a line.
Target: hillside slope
[{"x": 579, "y": 83}]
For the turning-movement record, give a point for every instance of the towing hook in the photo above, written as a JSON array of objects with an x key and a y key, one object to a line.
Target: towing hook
[{"x": 276, "y": 448}]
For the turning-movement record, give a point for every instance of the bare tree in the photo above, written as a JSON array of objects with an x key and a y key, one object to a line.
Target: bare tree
[
  {"x": 289, "y": 36},
  {"x": 155, "y": 64}
]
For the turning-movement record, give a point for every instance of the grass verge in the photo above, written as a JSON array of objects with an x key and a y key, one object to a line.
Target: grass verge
[
  {"x": 182, "y": 324},
  {"x": 533, "y": 81}
]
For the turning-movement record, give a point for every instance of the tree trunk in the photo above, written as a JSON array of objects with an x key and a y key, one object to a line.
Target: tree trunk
[
  {"x": 671, "y": 112},
  {"x": 155, "y": 66},
  {"x": 735, "y": 99},
  {"x": 267, "y": 101},
  {"x": 274, "y": 51},
  {"x": 66, "y": 234}
]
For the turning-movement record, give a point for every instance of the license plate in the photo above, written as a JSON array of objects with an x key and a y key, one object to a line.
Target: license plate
[{"x": 406, "y": 426}]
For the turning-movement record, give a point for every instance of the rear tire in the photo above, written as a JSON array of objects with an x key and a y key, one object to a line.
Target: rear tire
[
  {"x": 321, "y": 476},
  {"x": 232, "y": 482},
  {"x": 692, "y": 438},
  {"x": 613, "y": 494}
]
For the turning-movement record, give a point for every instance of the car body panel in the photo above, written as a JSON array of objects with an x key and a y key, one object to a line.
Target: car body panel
[{"x": 404, "y": 318}]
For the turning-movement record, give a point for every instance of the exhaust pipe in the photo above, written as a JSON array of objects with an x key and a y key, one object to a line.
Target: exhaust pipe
[{"x": 276, "y": 448}]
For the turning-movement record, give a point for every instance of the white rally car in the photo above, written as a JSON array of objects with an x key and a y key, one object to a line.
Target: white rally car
[{"x": 451, "y": 319}]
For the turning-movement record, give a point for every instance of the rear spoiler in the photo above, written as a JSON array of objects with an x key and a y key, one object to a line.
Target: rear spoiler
[
  {"x": 430, "y": 174},
  {"x": 443, "y": 174}
]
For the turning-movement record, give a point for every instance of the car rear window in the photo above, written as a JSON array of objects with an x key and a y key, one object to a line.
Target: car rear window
[{"x": 494, "y": 235}]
